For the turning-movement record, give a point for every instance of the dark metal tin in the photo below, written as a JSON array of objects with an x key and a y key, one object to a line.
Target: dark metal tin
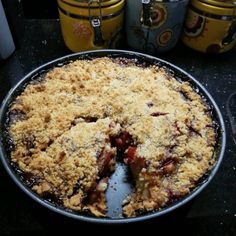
[{"x": 123, "y": 188}]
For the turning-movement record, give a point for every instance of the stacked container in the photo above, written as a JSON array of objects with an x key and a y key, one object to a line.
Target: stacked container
[
  {"x": 211, "y": 25},
  {"x": 154, "y": 26},
  {"x": 91, "y": 24}
]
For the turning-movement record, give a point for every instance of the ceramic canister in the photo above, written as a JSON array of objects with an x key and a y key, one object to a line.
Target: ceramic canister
[
  {"x": 91, "y": 24},
  {"x": 154, "y": 26},
  {"x": 211, "y": 25}
]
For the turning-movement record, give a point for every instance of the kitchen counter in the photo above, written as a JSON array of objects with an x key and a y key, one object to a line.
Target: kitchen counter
[{"x": 212, "y": 212}]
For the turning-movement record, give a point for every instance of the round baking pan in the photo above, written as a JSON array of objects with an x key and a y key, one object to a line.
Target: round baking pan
[{"x": 119, "y": 184}]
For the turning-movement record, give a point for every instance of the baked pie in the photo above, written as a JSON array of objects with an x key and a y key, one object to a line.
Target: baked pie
[{"x": 71, "y": 125}]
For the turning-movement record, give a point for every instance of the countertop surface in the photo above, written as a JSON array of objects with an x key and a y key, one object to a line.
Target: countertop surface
[{"x": 212, "y": 212}]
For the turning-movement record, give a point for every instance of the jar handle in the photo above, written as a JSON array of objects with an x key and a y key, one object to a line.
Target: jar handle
[
  {"x": 229, "y": 38},
  {"x": 96, "y": 22},
  {"x": 146, "y": 20},
  {"x": 98, "y": 39}
]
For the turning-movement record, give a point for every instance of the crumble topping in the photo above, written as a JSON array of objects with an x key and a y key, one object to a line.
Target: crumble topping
[{"x": 69, "y": 125}]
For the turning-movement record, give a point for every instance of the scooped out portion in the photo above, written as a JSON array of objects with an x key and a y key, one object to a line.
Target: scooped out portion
[{"x": 71, "y": 125}]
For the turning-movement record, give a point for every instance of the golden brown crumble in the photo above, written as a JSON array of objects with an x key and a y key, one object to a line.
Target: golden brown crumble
[{"x": 68, "y": 127}]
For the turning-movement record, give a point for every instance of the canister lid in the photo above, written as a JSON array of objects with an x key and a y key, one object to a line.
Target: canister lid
[
  {"x": 216, "y": 7},
  {"x": 85, "y": 9},
  {"x": 92, "y": 3},
  {"x": 221, "y": 3}
]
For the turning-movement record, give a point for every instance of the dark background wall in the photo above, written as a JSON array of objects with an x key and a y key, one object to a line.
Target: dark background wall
[
  {"x": 32, "y": 9},
  {"x": 36, "y": 9}
]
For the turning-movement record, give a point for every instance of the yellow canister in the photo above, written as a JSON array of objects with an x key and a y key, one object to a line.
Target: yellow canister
[
  {"x": 91, "y": 24},
  {"x": 210, "y": 25}
]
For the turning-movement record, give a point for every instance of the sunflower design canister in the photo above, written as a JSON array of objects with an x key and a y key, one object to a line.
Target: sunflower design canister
[
  {"x": 91, "y": 24},
  {"x": 210, "y": 25},
  {"x": 154, "y": 25}
]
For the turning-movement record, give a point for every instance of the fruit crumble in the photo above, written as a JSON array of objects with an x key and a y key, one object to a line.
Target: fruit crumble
[{"x": 70, "y": 125}]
